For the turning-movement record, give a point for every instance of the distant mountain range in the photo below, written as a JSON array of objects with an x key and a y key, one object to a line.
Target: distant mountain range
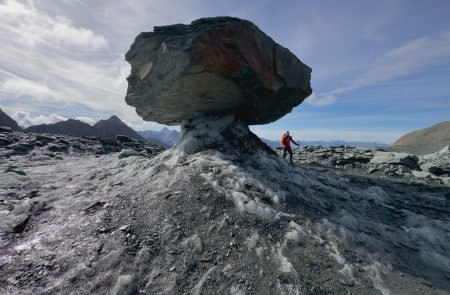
[
  {"x": 69, "y": 127},
  {"x": 165, "y": 135},
  {"x": 359, "y": 144},
  {"x": 7, "y": 121},
  {"x": 422, "y": 141},
  {"x": 170, "y": 137},
  {"x": 103, "y": 128}
]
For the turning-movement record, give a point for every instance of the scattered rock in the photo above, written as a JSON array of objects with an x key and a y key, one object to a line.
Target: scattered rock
[
  {"x": 124, "y": 228},
  {"x": 446, "y": 181},
  {"x": 44, "y": 138},
  {"x": 40, "y": 145},
  {"x": 21, "y": 147},
  {"x": 57, "y": 148},
  {"x": 377, "y": 163},
  {"x": 93, "y": 206},
  {"x": 4, "y": 129},
  {"x": 124, "y": 138},
  {"x": 109, "y": 141},
  {"x": 21, "y": 224},
  {"x": 420, "y": 174},
  {"x": 5, "y": 141},
  {"x": 124, "y": 285},
  {"x": 437, "y": 163},
  {"x": 10, "y": 169},
  {"x": 409, "y": 160},
  {"x": 125, "y": 153}
]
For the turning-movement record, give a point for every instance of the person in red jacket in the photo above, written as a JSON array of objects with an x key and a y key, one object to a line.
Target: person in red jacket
[{"x": 286, "y": 140}]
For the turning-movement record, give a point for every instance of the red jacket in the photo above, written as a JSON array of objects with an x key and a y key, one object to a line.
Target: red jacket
[{"x": 286, "y": 140}]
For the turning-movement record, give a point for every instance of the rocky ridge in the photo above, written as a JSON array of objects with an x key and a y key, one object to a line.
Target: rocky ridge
[
  {"x": 424, "y": 141},
  {"x": 103, "y": 128}
]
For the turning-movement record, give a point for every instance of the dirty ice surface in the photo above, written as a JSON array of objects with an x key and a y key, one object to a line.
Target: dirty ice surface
[{"x": 210, "y": 222}]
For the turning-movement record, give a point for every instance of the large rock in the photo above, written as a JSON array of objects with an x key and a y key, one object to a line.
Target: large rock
[
  {"x": 214, "y": 66},
  {"x": 395, "y": 158},
  {"x": 437, "y": 163}
]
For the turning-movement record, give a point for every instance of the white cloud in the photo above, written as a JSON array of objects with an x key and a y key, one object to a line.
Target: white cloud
[
  {"x": 88, "y": 120},
  {"x": 320, "y": 101},
  {"x": 25, "y": 119},
  {"x": 28, "y": 26}
]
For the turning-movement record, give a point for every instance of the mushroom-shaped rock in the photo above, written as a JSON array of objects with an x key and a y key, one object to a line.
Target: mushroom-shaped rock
[{"x": 214, "y": 66}]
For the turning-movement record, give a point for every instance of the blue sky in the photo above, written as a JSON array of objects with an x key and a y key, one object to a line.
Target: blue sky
[{"x": 380, "y": 68}]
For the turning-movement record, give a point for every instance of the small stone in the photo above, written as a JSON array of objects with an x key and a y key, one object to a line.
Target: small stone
[
  {"x": 21, "y": 224},
  {"x": 420, "y": 174},
  {"x": 124, "y": 285},
  {"x": 125, "y": 153},
  {"x": 372, "y": 170},
  {"x": 20, "y": 172},
  {"x": 99, "y": 248},
  {"x": 124, "y": 227},
  {"x": 124, "y": 138},
  {"x": 56, "y": 148}
]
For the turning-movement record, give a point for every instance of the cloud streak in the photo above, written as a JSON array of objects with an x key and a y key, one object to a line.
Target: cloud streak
[
  {"x": 413, "y": 56},
  {"x": 321, "y": 101},
  {"x": 19, "y": 87}
]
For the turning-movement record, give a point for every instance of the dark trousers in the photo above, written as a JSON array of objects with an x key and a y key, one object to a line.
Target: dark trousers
[{"x": 287, "y": 149}]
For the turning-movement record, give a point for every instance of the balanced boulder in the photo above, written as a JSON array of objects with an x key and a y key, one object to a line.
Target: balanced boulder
[{"x": 214, "y": 66}]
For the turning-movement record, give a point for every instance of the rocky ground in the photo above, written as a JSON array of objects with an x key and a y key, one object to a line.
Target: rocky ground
[
  {"x": 55, "y": 146},
  {"x": 431, "y": 168},
  {"x": 80, "y": 217}
]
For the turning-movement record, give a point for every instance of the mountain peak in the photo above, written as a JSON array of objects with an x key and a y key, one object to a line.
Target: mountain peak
[
  {"x": 7, "y": 121},
  {"x": 114, "y": 118},
  {"x": 114, "y": 126}
]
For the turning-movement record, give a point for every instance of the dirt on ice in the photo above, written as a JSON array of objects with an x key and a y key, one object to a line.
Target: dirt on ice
[{"x": 215, "y": 223}]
